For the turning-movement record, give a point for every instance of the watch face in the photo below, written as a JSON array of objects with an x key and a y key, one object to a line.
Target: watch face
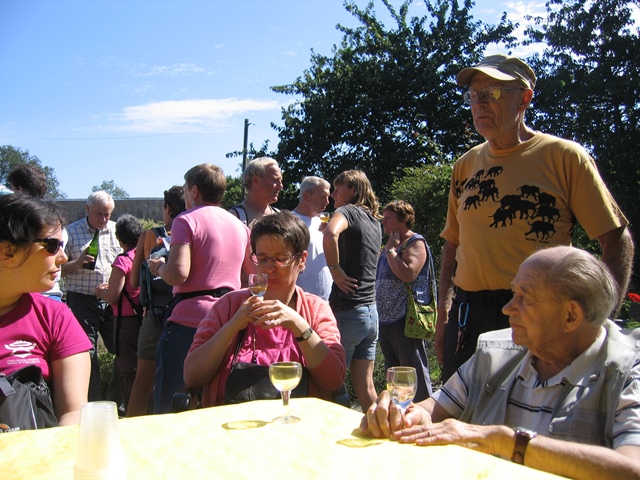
[{"x": 525, "y": 431}]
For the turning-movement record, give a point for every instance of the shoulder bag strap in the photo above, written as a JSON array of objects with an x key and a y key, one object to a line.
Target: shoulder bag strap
[
  {"x": 432, "y": 270},
  {"x": 242, "y": 213},
  {"x": 432, "y": 274},
  {"x": 136, "y": 307},
  {"x": 239, "y": 344}
]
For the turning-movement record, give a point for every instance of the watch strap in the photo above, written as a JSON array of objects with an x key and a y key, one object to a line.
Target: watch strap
[
  {"x": 305, "y": 335},
  {"x": 523, "y": 437}
]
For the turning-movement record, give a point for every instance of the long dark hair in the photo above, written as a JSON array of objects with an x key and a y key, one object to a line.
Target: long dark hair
[{"x": 23, "y": 219}]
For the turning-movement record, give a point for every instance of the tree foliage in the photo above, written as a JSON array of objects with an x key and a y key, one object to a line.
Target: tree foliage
[
  {"x": 386, "y": 98},
  {"x": 110, "y": 187},
  {"x": 233, "y": 193},
  {"x": 588, "y": 88},
  {"x": 12, "y": 156}
]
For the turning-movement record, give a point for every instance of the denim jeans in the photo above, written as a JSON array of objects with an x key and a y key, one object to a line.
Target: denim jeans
[
  {"x": 358, "y": 332},
  {"x": 173, "y": 347}
]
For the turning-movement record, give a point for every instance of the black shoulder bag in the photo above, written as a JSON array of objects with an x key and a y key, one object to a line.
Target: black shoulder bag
[
  {"x": 25, "y": 401},
  {"x": 249, "y": 381}
]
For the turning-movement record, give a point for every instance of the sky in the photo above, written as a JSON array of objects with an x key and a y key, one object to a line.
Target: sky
[{"x": 139, "y": 91}]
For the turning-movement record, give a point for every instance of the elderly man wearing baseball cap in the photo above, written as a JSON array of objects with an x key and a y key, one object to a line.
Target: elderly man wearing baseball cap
[{"x": 519, "y": 191}]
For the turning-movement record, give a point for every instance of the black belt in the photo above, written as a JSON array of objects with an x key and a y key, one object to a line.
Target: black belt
[
  {"x": 168, "y": 310},
  {"x": 218, "y": 292},
  {"x": 486, "y": 298}
]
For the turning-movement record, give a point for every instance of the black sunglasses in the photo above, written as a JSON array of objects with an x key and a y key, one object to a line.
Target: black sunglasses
[{"x": 53, "y": 244}]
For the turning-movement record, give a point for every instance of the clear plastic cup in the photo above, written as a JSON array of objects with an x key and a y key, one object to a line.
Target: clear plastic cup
[{"x": 99, "y": 454}]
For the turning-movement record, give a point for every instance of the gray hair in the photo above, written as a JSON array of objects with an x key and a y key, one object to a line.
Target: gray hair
[
  {"x": 578, "y": 275},
  {"x": 257, "y": 166},
  {"x": 311, "y": 183},
  {"x": 100, "y": 198}
]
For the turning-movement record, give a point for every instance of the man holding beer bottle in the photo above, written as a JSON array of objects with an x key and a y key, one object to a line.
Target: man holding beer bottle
[{"x": 86, "y": 269}]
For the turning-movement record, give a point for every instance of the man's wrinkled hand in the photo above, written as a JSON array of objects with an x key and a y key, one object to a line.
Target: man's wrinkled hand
[{"x": 384, "y": 418}]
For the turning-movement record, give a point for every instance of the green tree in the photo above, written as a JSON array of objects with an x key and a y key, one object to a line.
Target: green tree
[
  {"x": 588, "y": 89},
  {"x": 385, "y": 99},
  {"x": 110, "y": 187},
  {"x": 12, "y": 156},
  {"x": 233, "y": 194}
]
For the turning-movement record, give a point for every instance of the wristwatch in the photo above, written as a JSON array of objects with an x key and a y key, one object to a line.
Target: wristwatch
[
  {"x": 305, "y": 335},
  {"x": 523, "y": 437}
]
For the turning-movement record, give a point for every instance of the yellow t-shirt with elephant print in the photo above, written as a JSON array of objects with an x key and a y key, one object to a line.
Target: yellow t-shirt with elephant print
[{"x": 504, "y": 205}]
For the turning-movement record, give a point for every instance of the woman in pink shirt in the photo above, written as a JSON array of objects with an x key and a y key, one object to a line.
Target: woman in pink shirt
[
  {"x": 287, "y": 324},
  {"x": 35, "y": 330},
  {"x": 124, "y": 298}
]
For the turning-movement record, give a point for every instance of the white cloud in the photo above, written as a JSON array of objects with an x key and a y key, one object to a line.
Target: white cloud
[
  {"x": 186, "y": 116},
  {"x": 176, "y": 69}
]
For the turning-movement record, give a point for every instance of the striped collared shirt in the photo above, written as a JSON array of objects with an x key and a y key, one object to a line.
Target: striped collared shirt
[
  {"x": 80, "y": 236},
  {"x": 531, "y": 402}
]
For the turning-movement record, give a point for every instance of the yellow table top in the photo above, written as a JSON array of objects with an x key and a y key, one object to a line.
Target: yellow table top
[{"x": 240, "y": 441}]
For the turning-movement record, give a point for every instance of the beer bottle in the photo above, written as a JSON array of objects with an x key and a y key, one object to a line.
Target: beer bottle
[{"x": 92, "y": 250}]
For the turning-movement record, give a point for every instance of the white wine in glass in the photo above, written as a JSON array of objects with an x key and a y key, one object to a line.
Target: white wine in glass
[
  {"x": 285, "y": 376},
  {"x": 324, "y": 217},
  {"x": 402, "y": 384},
  {"x": 258, "y": 283}
]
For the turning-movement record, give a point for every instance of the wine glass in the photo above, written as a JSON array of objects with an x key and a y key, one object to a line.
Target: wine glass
[
  {"x": 285, "y": 376},
  {"x": 258, "y": 284},
  {"x": 324, "y": 217},
  {"x": 402, "y": 385}
]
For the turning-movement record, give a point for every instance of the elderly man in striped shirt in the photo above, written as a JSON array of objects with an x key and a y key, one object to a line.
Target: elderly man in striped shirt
[{"x": 559, "y": 391}]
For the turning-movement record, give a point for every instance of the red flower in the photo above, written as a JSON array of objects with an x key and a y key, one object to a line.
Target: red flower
[{"x": 634, "y": 297}]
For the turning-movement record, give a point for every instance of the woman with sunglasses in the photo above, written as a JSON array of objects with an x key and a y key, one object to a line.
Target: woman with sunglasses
[
  {"x": 34, "y": 330},
  {"x": 287, "y": 324}
]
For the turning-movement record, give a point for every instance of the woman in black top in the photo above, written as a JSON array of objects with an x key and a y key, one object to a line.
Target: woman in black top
[{"x": 352, "y": 241}]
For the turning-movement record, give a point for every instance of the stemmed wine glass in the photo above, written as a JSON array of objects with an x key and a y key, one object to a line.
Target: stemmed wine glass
[
  {"x": 285, "y": 376},
  {"x": 402, "y": 385},
  {"x": 258, "y": 284},
  {"x": 324, "y": 217}
]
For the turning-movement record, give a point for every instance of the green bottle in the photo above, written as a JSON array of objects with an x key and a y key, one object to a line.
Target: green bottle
[{"x": 92, "y": 250}]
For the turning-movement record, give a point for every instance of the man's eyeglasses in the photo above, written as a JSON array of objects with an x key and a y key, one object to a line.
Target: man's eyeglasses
[
  {"x": 278, "y": 260},
  {"x": 490, "y": 93},
  {"x": 52, "y": 244}
]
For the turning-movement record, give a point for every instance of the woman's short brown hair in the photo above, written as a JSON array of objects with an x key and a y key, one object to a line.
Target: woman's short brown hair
[
  {"x": 403, "y": 210},
  {"x": 285, "y": 226}
]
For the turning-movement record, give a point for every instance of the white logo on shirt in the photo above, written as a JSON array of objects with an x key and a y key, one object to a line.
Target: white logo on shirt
[{"x": 21, "y": 348}]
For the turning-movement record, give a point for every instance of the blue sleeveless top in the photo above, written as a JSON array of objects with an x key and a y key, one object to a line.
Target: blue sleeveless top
[{"x": 391, "y": 294}]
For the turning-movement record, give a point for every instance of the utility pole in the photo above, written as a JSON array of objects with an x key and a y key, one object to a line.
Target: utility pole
[{"x": 244, "y": 153}]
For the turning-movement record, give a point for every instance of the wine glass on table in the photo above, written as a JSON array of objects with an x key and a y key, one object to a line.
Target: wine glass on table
[
  {"x": 258, "y": 283},
  {"x": 402, "y": 384},
  {"x": 285, "y": 376}
]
